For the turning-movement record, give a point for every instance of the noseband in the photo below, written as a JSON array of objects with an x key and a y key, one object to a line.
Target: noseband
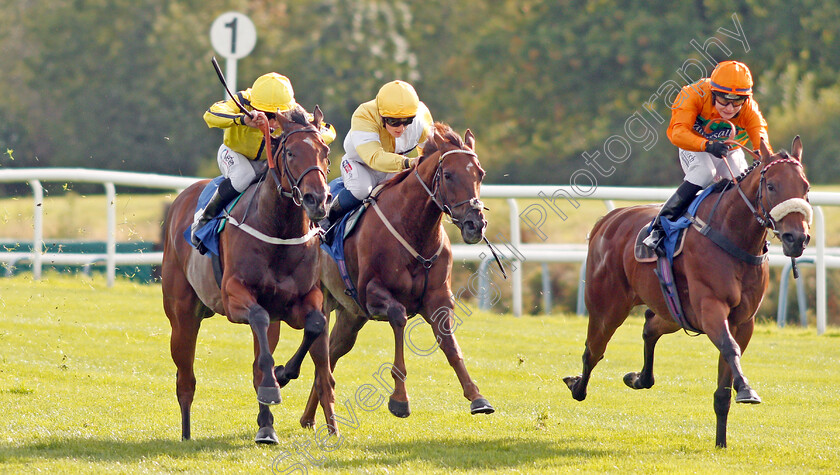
[
  {"x": 295, "y": 194},
  {"x": 444, "y": 203}
]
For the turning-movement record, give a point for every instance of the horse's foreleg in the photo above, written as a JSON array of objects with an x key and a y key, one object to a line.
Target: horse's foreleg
[
  {"x": 440, "y": 317},
  {"x": 722, "y": 401},
  {"x": 268, "y": 392},
  {"x": 719, "y": 333},
  {"x": 265, "y": 419},
  {"x": 314, "y": 326}
]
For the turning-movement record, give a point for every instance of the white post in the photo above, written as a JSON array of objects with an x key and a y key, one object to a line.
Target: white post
[
  {"x": 111, "y": 246},
  {"x": 516, "y": 242},
  {"x": 38, "y": 233},
  {"x": 230, "y": 75},
  {"x": 820, "y": 263}
]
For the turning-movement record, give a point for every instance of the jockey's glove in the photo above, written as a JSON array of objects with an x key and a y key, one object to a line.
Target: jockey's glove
[{"x": 718, "y": 149}]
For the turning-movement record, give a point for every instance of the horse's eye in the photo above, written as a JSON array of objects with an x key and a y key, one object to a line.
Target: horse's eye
[
  {"x": 447, "y": 175},
  {"x": 771, "y": 187}
]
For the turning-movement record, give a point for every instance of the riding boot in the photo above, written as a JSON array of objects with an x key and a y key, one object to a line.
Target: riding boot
[
  {"x": 221, "y": 197},
  {"x": 671, "y": 210},
  {"x": 341, "y": 205}
]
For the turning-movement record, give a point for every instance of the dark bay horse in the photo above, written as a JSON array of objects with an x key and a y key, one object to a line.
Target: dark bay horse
[
  {"x": 269, "y": 264},
  {"x": 720, "y": 293},
  {"x": 400, "y": 260}
]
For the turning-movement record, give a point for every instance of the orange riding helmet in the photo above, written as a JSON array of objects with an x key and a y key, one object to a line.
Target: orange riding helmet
[{"x": 733, "y": 79}]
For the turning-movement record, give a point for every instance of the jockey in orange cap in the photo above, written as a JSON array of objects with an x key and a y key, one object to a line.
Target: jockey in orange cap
[{"x": 725, "y": 96}]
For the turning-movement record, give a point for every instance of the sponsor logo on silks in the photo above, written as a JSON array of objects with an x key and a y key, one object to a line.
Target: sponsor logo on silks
[{"x": 347, "y": 166}]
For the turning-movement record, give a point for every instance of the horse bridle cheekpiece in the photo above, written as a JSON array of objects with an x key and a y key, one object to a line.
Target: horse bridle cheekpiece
[
  {"x": 295, "y": 194},
  {"x": 443, "y": 202},
  {"x": 769, "y": 219}
]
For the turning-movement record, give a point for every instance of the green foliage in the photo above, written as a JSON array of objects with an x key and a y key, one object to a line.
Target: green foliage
[
  {"x": 122, "y": 84},
  {"x": 87, "y": 386}
]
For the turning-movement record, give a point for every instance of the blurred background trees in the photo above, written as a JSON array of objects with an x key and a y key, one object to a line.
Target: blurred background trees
[{"x": 119, "y": 84}]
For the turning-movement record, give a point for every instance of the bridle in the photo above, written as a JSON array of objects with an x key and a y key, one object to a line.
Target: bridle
[
  {"x": 295, "y": 194},
  {"x": 439, "y": 195}
]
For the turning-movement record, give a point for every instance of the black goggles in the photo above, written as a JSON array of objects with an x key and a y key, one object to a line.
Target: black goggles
[
  {"x": 397, "y": 122},
  {"x": 725, "y": 100}
]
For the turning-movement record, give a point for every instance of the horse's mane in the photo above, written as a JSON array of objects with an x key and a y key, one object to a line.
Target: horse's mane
[
  {"x": 298, "y": 115},
  {"x": 429, "y": 149},
  {"x": 723, "y": 185}
]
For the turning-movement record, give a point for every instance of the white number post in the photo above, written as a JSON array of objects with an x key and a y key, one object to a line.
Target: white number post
[{"x": 233, "y": 36}]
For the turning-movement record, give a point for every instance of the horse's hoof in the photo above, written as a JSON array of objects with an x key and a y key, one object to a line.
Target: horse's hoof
[
  {"x": 399, "y": 408},
  {"x": 633, "y": 381},
  {"x": 307, "y": 424},
  {"x": 266, "y": 435},
  {"x": 572, "y": 383},
  {"x": 747, "y": 396},
  {"x": 481, "y": 406},
  {"x": 280, "y": 375},
  {"x": 268, "y": 395}
]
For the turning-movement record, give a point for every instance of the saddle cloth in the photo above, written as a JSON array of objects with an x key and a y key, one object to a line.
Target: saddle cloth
[
  {"x": 209, "y": 233},
  {"x": 674, "y": 231}
]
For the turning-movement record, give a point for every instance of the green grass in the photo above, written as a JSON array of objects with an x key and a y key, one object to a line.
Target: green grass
[{"x": 87, "y": 385}]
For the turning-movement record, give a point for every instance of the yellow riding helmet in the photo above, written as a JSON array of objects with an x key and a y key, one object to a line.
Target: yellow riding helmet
[
  {"x": 733, "y": 79},
  {"x": 397, "y": 99},
  {"x": 272, "y": 92}
]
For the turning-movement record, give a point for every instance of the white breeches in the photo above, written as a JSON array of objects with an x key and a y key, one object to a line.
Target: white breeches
[
  {"x": 237, "y": 167},
  {"x": 703, "y": 168},
  {"x": 360, "y": 179}
]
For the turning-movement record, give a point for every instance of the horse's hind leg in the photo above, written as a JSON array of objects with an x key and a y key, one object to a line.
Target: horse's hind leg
[
  {"x": 185, "y": 318},
  {"x": 654, "y": 329},
  {"x": 602, "y": 325},
  {"x": 341, "y": 341},
  {"x": 381, "y": 302}
]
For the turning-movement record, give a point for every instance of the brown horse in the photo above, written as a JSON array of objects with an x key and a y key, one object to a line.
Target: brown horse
[
  {"x": 720, "y": 293},
  {"x": 400, "y": 260},
  {"x": 269, "y": 263}
]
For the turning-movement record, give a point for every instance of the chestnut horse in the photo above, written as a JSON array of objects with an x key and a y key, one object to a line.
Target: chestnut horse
[
  {"x": 400, "y": 260},
  {"x": 720, "y": 293},
  {"x": 269, "y": 262}
]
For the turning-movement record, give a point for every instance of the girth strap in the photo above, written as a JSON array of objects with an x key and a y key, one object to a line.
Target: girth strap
[{"x": 724, "y": 243}]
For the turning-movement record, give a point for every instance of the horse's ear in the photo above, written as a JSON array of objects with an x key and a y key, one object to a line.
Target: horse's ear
[
  {"x": 469, "y": 140},
  {"x": 437, "y": 138},
  {"x": 796, "y": 148},
  {"x": 318, "y": 117},
  {"x": 765, "y": 152}
]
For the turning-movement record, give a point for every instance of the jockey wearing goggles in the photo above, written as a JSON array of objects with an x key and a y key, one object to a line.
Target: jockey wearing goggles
[
  {"x": 243, "y": 147},
  {"x": 696, "y": 128},
  {"x": 385, "y": 136}
]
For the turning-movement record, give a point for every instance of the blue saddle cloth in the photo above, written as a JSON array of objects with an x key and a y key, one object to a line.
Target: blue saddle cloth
[
  {"x": 672, "y": 228},
  {"x": 209, "y": 233},
  {"x": 333, "y": 242}
]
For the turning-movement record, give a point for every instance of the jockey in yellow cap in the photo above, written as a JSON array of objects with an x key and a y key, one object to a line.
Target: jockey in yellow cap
[
  {"x": 726, "y": 95},
  {"x": 243, "y": 147},
  {"x": 385, "y": 135}
]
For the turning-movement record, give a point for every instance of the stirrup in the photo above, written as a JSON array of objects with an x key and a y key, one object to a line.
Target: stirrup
[{"x": 651, "y": 241}]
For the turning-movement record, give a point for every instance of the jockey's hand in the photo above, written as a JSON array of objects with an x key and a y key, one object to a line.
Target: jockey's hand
[
  {"x": 718, "y": 149},
  {"x": 258, "y": 120}
]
